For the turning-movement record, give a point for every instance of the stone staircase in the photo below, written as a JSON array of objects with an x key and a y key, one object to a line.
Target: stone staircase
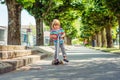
[{"x": 14, "y": 56}]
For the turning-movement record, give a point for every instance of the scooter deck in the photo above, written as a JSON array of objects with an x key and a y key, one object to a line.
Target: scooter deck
[{"x": 61, "y": 62}]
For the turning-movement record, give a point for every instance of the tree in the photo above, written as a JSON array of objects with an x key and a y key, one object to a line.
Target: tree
[
  {"x": 70, "y": 30},
  {"x": 108, "y": 19},
  {"x": 98, "y": 15},
  {"x": 44, "y": 10},
  {"x": 14, "y": 20},
  {"x": 114, "y": 7},
  {"x": 39, "y": 10},
  {"x": 66, "y": 11},
  {"x": 89, "y": 21},
  {"x": 14, "y": 23}
]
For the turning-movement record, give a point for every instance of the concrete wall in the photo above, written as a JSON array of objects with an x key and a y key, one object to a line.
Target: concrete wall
[{"x": 3, "y": 35}]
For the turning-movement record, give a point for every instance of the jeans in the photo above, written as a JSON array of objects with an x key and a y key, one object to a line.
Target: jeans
[{"x": 58, "y": 50}]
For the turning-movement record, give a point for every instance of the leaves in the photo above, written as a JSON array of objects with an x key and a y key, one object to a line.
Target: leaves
[
  {"x": 95, "y": 17},
  {"x": 26, "y": 3},
  {"x": 113, "y": 5}
]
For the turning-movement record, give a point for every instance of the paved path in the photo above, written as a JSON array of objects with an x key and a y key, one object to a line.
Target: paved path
[{"x": 85, "y": 64}]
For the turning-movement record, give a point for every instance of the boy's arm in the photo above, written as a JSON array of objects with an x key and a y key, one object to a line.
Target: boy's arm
[
  {"x": 51, "y": 34},
  {"x": 63, "y": 33}
]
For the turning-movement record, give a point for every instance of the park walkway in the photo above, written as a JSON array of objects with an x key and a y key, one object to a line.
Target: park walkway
[{"x": 85, "y": 64}]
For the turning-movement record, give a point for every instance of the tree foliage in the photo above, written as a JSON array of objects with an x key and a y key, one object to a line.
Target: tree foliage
[
  {"x": 26, "y": 3},
  {"x": 95, "y": 17},
  {"x": 113, "y": 5}
]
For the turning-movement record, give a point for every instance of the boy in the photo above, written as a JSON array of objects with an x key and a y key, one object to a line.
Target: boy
[{"x": 56, "y": 33}]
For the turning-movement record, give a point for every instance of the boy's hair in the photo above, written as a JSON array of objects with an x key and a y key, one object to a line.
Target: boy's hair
[{"x": 55, "y": 22}]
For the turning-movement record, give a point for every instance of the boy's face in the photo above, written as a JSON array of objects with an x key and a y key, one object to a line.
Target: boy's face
[{"x": 56, "y": 26}]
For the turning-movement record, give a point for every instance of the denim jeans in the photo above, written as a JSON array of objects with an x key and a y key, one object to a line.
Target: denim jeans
[{"x": 57, "y": 51}]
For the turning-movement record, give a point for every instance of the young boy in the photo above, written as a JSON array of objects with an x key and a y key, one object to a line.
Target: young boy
[{"x": 54, "y": 34}]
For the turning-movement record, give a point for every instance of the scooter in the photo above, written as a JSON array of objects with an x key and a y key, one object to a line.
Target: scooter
[{"x": 58, "y": 45}]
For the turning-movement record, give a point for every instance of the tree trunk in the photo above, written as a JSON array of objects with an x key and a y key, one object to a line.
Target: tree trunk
[
  {"x": 93, "y": 40},
  {"x": 69, "y": 40},
  {"x": 39, "y": 32},
  {"x": 118, "y": 17},
  {"x": 109, "y": 36},
  {"x": 14, "y": 22},
  {"x": 98, "y": 41},
  {"x": 103, "y": 38}
]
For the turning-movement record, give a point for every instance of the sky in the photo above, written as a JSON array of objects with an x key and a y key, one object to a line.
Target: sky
[{"x": 26, "y": 18}]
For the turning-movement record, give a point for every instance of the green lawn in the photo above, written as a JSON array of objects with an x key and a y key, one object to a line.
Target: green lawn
[{"x": 112, "y": 50}]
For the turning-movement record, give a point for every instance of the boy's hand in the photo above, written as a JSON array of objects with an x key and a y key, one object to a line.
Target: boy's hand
[
  {"x": 53, "y": 36},
  {"x": 63, "y": 35}
]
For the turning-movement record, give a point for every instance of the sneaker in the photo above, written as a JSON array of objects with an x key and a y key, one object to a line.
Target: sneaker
[
  {"x": 65, "y": 60},
  {"x": 56, "y": 62}
]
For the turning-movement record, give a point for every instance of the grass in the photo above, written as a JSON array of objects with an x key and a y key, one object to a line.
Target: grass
[{"x": 112, "y": 50}]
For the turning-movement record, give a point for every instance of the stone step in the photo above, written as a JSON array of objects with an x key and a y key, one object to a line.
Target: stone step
[
  {"x": 13, "y": 57},
  {"x": 12, "y": 47},
  {"x": 12, "y": 64},
  {"x": 15, "y": 53},
  {"x": 5, "y": 67}
]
